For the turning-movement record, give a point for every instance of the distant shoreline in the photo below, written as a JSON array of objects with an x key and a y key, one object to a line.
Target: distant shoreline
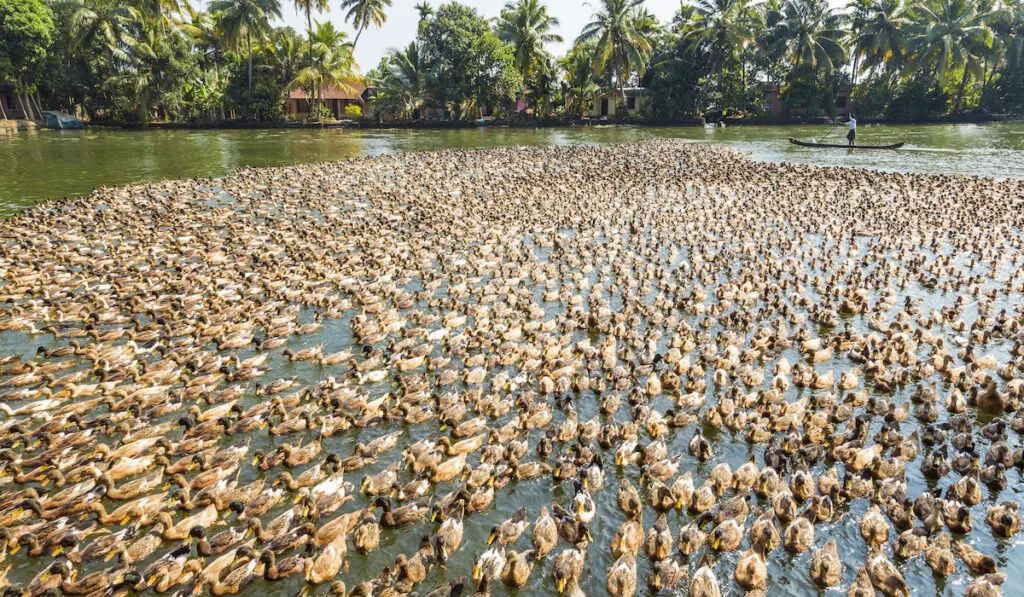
[
  {"x": 15, "y": 126},
  {"x": 451, "y": 125}
]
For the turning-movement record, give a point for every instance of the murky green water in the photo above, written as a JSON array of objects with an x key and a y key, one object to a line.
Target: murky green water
[{"x": 52, "y": 164}]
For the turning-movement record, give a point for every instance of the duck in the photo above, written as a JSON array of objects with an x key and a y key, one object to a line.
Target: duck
[
  {"x": 704, "y": 583},
  {"x": 885, "y": 577},
  {"x": 752, "y": 570},
  {"x": 658, "y": 543},
  {"x": 1004, "y": 518},
  {"x": 583, "y": 505},
  {"x": 403, "y": 516},
  {"x": 621, "y": 580},
  {"x": 366, "y": 536},
  {"x": 799, "y": 535},
  {"x": 978, "y": 563},
  {"x": 545, "y": 534},
  {"x": 567, "y": 568},
  {"x": 326, "y": 565},
  {"x": 988, "y": 585},
  {"x": 508, "y": 532},
  {"x": 489, "y": 566},
  {"x": 666, "y": 574},
  {"x": 826, "y": 567},
  {"x": 274, "y": 570},
  {"x": 518, "y": 567},
  {"x": 939, "y": 555}
]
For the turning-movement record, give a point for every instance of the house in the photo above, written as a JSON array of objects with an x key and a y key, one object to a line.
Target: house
[
  {"x": 844, "y": 102},
  {"x": 354, "y": 93},
  {"x": 609, "y": 104},
  {"x": 11, "y": 106},
  {"x": 776, "y": 106}
]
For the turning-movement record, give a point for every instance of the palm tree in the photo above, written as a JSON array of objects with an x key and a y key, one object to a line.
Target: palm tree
[
  {"x": 881, "y": 36},
  {"x": 166, "y": 13},
  {"x": 620, "y": 46},
  {"x": 425, "y": 10},
  {"x": 308, "y": 6},
  {"x": 363, "y": 13},
  {"x": 332, "y": 64},
  {"x": 685, "y": 18},
  {"x": 955, "y": 34},
  {"x": 242, "y": 20},
  {"x": 286, "y": 53},
  {"x": 810, "y": 34},
  {"x": 1008, "y": 46},
  {"x": 858, "y": 17},
  {"x": 723, "y": 28},
  {"x": 527, "y": 26},
  {"x": 403, "y": 86},
  {"x": 579, "y": 86},
  {"x": 108, "y": 22}
]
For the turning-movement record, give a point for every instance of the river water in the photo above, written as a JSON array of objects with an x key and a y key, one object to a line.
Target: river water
[{"x": 53, "y": 164}]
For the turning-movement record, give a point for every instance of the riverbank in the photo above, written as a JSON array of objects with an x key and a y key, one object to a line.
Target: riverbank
[
  {"x": 17, "y": 126},
  {"x": 526, "y": 124}
]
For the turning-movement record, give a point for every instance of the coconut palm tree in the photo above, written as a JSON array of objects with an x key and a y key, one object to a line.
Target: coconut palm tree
[
  {"x": 286, "y": 53},
  {"x": 579, "y": 86},
  {"x": 403, "y": 86},
  {"x": 810, "y": 34},
  {"x": 166, "y": 13},
  {"x": 363, "y": 13},
  {"x": 620, "y": 47},
  {"x": 243, "y": 20},
  {"x": 308, "y": 6},
  {"x": 881, "y": 35},
  {"x": 955, "y": 35},
  {"x": 723, "y": 28},
  {"x": 108, "y": 22},
  {"x": 527, "y": 26},
  {"x": 332, "y": 64}
]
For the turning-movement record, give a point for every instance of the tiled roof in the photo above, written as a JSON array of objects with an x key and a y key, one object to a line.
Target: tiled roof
[{"x": 352, "y": 91}]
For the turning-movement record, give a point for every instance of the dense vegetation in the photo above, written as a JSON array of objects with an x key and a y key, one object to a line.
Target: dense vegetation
[{"x": 145, "y": 60}]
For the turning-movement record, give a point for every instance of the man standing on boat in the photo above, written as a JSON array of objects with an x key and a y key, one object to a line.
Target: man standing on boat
[{"x": 852, "y": 135}]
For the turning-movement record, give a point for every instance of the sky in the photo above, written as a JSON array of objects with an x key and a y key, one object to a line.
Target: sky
[{"x": 400, "y": 27}]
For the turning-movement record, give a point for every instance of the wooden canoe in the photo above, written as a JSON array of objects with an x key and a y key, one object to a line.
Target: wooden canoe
[{"x": 845, "y": 145}]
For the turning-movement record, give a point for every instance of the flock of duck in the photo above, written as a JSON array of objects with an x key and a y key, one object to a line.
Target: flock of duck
[{"x": 573, "y": 370}]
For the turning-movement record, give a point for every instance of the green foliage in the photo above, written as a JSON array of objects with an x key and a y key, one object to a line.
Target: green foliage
[
  {"x": 581, "y": 87},
  {"x": 160, "y": 59},
  {"x": 812, "y": 92},
  {"x": 401, "y": 80},
  {"x": 353, "y": 111},
  {"x": 622, "y": 47},
  {"x": 470, "y": 67},
  {"x": 363, "y": 13},
  {"x": 918, "y": 100},
  {"x": 527, "y": 26},
  {"x": 675, "y": 77},
  {"x": 26, "y": 31}
]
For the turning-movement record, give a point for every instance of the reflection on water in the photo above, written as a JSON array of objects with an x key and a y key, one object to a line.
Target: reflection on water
[{"x": 51, "y": 164}]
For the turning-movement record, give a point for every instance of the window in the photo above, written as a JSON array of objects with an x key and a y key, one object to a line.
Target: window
[
  {"x": 841, "y": 101},
  {"x": 631, "y": 104}
]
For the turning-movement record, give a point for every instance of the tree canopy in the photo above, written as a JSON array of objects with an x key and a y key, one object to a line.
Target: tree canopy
[{"x": 139, "y": 60}]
